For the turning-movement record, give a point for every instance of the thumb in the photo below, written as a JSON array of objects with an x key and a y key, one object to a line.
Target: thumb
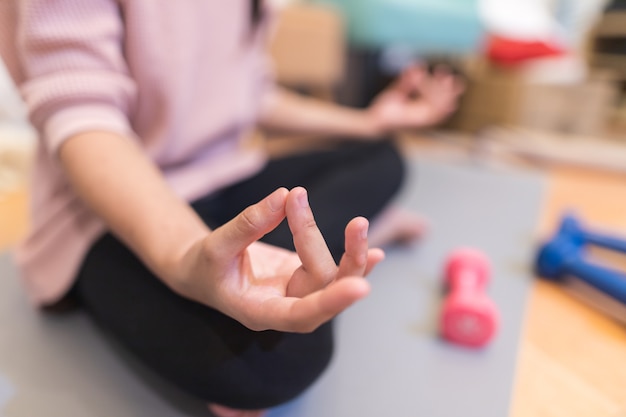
[{"x": 250, "y": 225}]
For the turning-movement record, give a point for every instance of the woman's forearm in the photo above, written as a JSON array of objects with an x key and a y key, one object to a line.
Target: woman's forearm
[
  {"x": 289, "y": 112},
  {"x": 121, "y": 185}
]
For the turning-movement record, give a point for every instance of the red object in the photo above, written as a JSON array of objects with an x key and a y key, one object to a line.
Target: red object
[
  {"x": 468, "y": 316},
  {"x": 506, "y": 51}
]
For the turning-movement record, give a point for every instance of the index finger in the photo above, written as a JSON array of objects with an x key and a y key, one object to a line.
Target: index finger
[{"x": 249, "y": 225}]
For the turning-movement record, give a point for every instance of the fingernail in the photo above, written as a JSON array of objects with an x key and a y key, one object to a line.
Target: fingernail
[
  {"x": 275, "y": 201},
  {"x": 303, "y": 199},
  {"x": 364, "y": 231}
]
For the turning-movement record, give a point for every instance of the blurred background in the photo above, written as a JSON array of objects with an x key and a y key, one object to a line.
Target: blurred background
[{"x": 545, "y": 78}]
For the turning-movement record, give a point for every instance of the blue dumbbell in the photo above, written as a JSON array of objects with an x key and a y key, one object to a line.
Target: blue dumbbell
[
  {"x": 573, "y": 228},
  {"x": 564, "y": 255}
]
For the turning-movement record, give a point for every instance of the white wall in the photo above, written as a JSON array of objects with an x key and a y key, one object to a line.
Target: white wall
[
  {"x": 17, "y": 137},
  {"x": 11, "y": 107},
  {"x": 15, "y": 132}
]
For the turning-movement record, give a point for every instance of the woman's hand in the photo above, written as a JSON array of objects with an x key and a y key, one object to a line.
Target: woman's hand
[
  {"x": 416, "y": 99},
  {"x": 266, "y": 287}
]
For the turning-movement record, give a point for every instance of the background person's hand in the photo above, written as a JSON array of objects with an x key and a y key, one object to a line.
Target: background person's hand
[
  {"x": 266, "y": 287},
  {"x": 417, "y": 99}
]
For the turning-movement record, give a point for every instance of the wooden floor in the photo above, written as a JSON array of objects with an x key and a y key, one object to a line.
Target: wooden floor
[
  {"x": 13, "y": 216},
  {"x": 573, "y": 359}
]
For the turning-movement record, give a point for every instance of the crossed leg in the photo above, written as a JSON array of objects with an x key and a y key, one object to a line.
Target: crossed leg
[{"x": 206, "y": 353}]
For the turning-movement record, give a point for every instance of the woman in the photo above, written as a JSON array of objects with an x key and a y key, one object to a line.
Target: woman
[{"x": 150, "y": 210}]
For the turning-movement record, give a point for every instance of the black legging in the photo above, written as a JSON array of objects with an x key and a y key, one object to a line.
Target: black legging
[{"x": 198, "y": 348}]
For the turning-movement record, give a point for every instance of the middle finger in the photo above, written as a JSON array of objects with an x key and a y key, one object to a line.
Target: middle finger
[{"x": 307, "y": 238}]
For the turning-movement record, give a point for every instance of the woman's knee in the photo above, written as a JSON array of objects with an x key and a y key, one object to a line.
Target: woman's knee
[{"x": 268, "y": 369}]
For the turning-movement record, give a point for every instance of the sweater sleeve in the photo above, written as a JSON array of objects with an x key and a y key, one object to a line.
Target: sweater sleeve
[{"x": 76, "y": 77}]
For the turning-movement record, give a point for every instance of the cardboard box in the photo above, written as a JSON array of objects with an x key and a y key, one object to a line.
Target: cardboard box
[
  {"x": 308, "y": 47},
  {"x": 502, "y": 97},
  {"x": 491, "y": 98}
]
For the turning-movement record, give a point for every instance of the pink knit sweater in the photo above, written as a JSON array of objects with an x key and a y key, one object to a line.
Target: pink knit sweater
[{"x": 183, "y": 78}]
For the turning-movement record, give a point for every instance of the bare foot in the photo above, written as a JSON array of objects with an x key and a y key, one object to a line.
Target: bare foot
[
  {"x": 221, "y": 411},
  {"x": 396, "y": 225}
]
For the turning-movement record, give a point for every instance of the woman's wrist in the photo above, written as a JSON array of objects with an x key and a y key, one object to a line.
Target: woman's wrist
[
  {"x": 176, "y": 267},
  {"x": 373, "y": 124}
]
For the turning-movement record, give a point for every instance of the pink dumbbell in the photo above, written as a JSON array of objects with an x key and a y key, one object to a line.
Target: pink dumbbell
[{"x": 468, "y": 316}]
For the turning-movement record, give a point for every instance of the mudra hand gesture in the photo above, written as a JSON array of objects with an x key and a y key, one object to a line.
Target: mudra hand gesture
[
  {"x": 417, "y": 99},
  {"x": 266, "y": 287}
]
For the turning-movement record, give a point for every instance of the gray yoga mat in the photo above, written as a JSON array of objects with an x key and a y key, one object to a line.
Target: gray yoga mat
[{"x": 389, "y": 359}]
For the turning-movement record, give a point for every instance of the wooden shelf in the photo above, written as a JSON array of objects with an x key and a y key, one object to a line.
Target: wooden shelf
[{"x": 613, "y": 24}]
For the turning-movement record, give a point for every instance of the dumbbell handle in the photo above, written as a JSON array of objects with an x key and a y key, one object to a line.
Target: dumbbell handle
[
  {"x": 571, "y": 226},
  {"x": 465, "y": 281},
  {"x": 604, "y": 279},
  {"x": 606, "y": 241}
]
